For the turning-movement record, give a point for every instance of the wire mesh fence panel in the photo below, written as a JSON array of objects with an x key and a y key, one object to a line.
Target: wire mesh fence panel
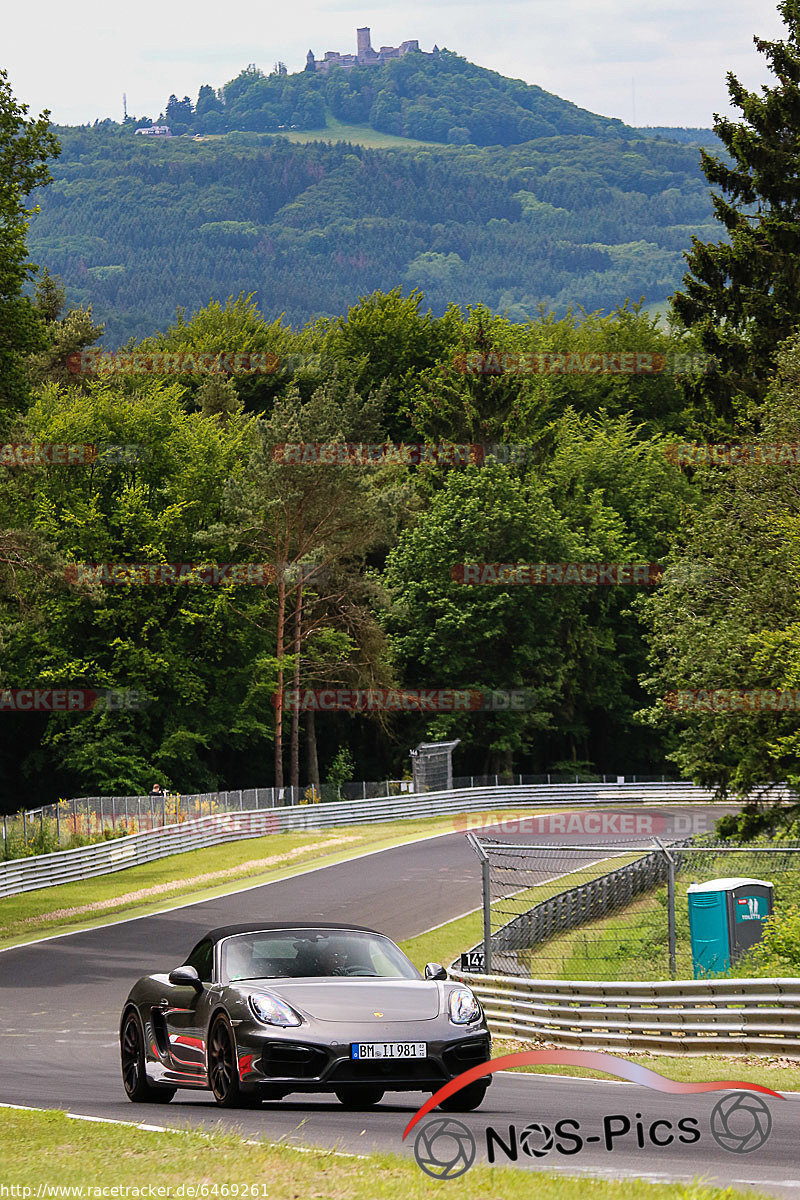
[
  {"x": 618, "y": 911},
  {"x": 432, "y": 766}
]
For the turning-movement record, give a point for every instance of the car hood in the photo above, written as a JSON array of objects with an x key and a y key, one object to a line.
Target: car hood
[{"x": 364, "y": 1001}]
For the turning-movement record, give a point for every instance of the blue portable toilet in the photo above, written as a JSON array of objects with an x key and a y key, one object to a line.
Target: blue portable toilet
[{"x": 726, "y": 917}]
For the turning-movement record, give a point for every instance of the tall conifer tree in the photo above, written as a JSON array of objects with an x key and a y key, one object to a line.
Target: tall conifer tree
[{"x": 743, "y": 295}]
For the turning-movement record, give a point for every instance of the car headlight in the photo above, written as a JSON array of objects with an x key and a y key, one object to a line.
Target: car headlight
[
  {"x": 463, "y": 1007},
  {"x": 272, "y": 1011}
]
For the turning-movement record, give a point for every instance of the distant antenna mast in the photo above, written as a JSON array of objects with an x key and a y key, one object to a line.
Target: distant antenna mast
[{"x": 124, "y": 107}]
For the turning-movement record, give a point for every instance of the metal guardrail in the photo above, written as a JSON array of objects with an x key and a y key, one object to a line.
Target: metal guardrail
[
  {"x": 46, "y": 870},
  {"x": 677, "y": 1017}
]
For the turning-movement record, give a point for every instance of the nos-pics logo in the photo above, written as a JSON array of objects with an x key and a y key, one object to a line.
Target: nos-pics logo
[{"x": 446, "y": 1148}]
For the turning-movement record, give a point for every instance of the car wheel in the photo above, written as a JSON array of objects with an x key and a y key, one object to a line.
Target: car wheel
[
  {"x": 223, "y": 1067},
  {"x": 359, "y": 1097},
  {"x": 134, "y": 1077},
  {"x": 467, "y": 1099}
]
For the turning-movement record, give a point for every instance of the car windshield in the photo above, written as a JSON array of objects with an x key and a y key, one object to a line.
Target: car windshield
[{"x": 313, "y": 954}]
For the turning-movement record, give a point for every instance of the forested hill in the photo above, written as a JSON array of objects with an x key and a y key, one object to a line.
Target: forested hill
[
  {"x": 137, "y": 226},
  {"x": 441, "y": 98}
]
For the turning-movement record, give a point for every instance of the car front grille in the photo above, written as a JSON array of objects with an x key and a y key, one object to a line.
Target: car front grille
[
  {"x": 292, "y": 1060},
  {"x": 377, "y": 1070},
  {"x": 466, "y": 1054}
]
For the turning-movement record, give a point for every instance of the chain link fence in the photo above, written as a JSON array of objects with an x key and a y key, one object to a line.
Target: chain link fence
[
  {"x": 614, "y": 911},
  {"x": 74, "y": 822}
]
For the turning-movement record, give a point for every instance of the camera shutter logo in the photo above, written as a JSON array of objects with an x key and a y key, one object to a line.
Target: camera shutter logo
[
  {"x": 536, "y": 1140},
  {"x": 444, "y": 1148},
  {"x": 741, "y": 1122}
]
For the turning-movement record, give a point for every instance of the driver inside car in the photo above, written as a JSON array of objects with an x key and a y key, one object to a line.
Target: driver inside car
[{"x": 331, "y": 962}]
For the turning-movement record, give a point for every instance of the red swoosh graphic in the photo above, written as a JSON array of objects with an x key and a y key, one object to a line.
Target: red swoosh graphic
[{"x": 609, "y": 1063}]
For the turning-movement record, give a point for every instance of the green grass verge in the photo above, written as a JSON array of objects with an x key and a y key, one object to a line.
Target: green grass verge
[{"x": 51, "y": 1148}]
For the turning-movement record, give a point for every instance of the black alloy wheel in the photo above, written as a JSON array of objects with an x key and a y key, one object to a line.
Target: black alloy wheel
[
  {"x": 134, "y": 1077},
  {"x": 223, "y": 1067}
]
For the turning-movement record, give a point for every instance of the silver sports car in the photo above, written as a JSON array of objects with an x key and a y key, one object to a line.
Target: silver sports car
[{"x": 258, "y": 1011}]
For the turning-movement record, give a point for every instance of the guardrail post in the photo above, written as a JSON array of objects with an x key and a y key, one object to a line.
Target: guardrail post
[
  {"x": 58, "y": 823},
  {"x": 671, "y": 937},
  {"x": 164, "y": 810},
  {"x": 24, "y": 829},
  {"x": 673, "y": 966}
]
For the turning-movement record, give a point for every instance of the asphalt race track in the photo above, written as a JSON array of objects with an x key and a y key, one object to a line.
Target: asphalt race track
[{"x": 60, "y": 1002}]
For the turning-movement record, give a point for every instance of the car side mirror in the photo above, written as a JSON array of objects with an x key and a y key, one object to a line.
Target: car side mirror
[
  {"x": 435, "y": 971},
  {"x": 186, "y": 977}
]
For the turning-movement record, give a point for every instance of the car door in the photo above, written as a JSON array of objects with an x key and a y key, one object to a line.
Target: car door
[{"x": 183, "y": 1011}]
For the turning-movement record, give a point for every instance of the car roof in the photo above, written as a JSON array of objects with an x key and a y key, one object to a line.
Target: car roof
[{"x": 216, "y": 935}]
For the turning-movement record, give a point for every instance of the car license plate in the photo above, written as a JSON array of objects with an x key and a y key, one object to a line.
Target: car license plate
[{"x": 389, "y": 1050}]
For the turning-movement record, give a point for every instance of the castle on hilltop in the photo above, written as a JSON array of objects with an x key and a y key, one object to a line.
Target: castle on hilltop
[{"x": 365, "y": 56}]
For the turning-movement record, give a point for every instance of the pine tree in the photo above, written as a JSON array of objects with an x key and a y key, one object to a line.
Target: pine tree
[
  {"x": 25, "y": 146},
  {"x": 742, "y": 296}
]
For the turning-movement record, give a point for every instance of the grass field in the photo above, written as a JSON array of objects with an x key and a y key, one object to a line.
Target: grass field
[
  {"x": 339, "y": 131},
  {"x": 42, "y": 1149},
  {"x": 358, "y": 135}
]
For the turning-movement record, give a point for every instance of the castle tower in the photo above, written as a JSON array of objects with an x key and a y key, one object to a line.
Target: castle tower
[{"x": 364, "y": 52}]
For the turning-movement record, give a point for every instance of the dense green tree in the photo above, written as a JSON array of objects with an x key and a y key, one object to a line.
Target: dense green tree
[
  {"x": 67, "y": 333},
  {"x": 25, "y": 147},
  {"x": 291, "y": 512},
  {"x": 728, "y": 613},
  {"x": 743, "y": 294},
  {"x": 135, "y": 229},
  {"x": 187, "y": 648}
]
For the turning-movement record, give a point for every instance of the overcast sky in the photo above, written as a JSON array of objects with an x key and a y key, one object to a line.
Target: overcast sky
[{"x": 634, "y": 59}]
